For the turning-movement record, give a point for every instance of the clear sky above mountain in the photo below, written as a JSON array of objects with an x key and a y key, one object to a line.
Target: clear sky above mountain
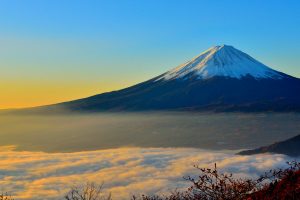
[{"x": 57, "y": 50}]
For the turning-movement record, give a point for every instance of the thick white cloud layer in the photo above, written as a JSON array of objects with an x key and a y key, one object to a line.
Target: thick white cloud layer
[{"x": 124, "y": 171}]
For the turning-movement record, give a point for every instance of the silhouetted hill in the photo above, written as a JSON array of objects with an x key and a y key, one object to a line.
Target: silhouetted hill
[{"x": 289, "y": 147}]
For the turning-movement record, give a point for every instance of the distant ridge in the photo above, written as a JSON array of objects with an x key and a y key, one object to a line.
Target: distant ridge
[
  {"x": 289, "y": 147},
  {"x": 221, "y": 79}
]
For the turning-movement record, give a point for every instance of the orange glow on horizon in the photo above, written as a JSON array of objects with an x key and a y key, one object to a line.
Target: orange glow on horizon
[{"x": 31, "y": 94}]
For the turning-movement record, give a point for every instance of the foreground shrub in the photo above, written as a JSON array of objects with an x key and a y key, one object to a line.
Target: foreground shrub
[
  {"x": 90, "y": 191},
  {"x": 213, "y": 185},
  {"x": 284, "y": 184}
]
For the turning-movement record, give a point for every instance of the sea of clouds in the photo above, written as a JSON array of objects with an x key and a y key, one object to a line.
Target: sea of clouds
[{"x": 123, "y": 171}]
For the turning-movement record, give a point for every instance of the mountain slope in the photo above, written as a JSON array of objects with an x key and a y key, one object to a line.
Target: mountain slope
[
  {"x": 220, "y": 79},
  {"x": 289, "y": 147}
]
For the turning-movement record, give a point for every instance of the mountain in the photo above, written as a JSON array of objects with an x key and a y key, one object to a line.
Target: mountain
[
  {"x": 223, "y": 61},
  {"x": 289, "y": 147},
  {"x": 219, "y": 79}
]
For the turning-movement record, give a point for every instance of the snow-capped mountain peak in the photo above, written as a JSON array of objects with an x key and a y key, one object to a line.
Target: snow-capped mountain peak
[{"x": 225, "y": 61}]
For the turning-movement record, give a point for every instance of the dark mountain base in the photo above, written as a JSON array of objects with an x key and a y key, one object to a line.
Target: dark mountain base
[{"x": 216, "y": 94}]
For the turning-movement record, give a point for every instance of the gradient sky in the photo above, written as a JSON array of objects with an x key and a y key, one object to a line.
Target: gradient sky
[{"x": 58, "y": 50}]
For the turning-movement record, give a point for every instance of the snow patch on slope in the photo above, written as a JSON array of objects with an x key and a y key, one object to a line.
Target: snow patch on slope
[{"x": 222, "y": 61}]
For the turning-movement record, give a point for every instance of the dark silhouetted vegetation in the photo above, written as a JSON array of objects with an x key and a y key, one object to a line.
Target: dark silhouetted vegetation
[
  {"x": 90, "y": 191},
  {"x": 213, "y": 185},
  {"x": 283, "y": 184}
]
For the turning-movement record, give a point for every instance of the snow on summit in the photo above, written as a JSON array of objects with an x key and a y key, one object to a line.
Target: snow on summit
[{"x": 223, "y": 61}]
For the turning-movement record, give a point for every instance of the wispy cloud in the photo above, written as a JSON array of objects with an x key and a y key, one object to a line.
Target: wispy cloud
[{"x": 124, "y": 171}]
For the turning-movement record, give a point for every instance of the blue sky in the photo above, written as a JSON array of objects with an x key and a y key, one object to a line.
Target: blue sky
[{"x": 97, "y": 46}]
